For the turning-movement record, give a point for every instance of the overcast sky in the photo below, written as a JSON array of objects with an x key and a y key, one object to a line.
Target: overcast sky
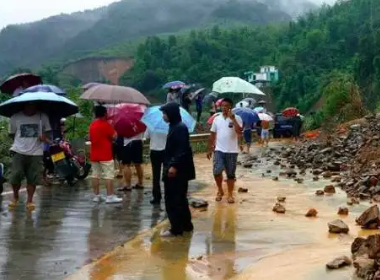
[{"x": 21, "y": 11}]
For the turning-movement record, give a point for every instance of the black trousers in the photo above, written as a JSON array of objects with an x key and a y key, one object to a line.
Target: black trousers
[
  {"x": 177, "y": 205},
  {"x": 157, "y": 159}
]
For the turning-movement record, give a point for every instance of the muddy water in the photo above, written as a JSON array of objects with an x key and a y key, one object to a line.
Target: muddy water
[{"x": 242, "y": 241}]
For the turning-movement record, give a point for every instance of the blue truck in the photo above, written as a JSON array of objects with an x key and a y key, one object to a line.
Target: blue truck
[{"x": 283, "y": 127}]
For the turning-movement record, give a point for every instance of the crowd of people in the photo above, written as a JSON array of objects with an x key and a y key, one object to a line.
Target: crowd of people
[{"x": 171, "y": 155}]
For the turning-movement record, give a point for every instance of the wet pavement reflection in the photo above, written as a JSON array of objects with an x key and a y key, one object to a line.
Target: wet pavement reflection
[
  {"x": 242, "y": 241},
  {"x": 68, "y": 230}
]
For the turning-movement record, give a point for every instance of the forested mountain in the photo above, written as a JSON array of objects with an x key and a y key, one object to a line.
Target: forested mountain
[
  {"x": 341, "y": 42},
  {"x": 66, "y": 37}
]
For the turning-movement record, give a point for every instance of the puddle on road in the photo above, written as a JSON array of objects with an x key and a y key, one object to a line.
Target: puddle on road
[{"x": 243, "y": 241}]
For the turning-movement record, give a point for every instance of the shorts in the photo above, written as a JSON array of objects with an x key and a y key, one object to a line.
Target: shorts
[
  {"x": 103, "y": 170},
  {"x": 227, "y": 162},
  {"x": 116, "y": 151},
  {"x": 132, "y": 153},
  {"x": 264, "y": 134},
  {"x": 248, "y": 136},
  {"x": 26, "y": 167}
]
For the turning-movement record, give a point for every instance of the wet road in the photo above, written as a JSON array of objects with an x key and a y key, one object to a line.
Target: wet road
[
  {"x": 68, "y": 230},
  {"x": 243, "y": 241}
]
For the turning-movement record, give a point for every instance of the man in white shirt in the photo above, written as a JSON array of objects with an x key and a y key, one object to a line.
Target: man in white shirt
[
  {"x": 132, "y": 153},
  {"x": 157, "y": 156},
  {"x": 29, "y": 129},
  {"x": 225, "y": 132}
]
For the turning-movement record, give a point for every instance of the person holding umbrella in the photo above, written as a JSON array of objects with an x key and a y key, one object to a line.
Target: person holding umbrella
[
  {"x": 29, "y": 129},
  {"x": 225, "y": 133}
]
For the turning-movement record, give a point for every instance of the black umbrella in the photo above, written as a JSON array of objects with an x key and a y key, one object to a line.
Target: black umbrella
[{"x": 23, "y": 80}]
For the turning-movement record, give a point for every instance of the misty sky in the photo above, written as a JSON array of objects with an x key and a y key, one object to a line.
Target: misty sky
[{"x": 21, "y": 11}]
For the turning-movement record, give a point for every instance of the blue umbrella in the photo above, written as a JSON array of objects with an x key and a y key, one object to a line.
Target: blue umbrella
[
  {"x": 45, "y": 88},
  {"x": 47, "y": 102},
  {"x": 153, "y": 119},
  {"x": 248, "y": 116},
  {"x": 174, "y": 85}
]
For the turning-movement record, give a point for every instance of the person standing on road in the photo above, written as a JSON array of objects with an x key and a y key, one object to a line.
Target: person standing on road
[
  {"x": 265, "y": 133},
  {"x": 29, "y": 129},
  {"x": 247, "y": 132},
  {"x": 223, "y": 142},
  {"x": 157, "y": 154},
  {"x": 102, "y": 136},
  {"x": 179, "y": 169},
  {"x": 132, "y": 153}
]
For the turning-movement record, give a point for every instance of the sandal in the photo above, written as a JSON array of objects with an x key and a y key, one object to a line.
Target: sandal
[
  {"x": 219, "y": 197},
  {"x": 124, "y": 189},
  {"x": 30, "y": 206},
  {"x": 231, "y": 200},
  {"x": 13, "y": 204}
]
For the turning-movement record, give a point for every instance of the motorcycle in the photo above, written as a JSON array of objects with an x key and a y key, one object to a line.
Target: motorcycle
[{"x": 68, "y": 165}]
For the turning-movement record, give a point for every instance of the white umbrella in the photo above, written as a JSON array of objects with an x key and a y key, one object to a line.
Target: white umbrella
[
  {"x": 265, "y": 117},
  {"x": 242, "y": 104},
  {"x": 235, "y": 85}
]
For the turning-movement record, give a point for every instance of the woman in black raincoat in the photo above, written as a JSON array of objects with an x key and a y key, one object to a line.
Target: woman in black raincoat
[{"x": 178, "y": 171}]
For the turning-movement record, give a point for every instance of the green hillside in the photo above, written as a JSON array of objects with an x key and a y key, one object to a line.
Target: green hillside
[
  {"x": 65, "y": 37},
  {"x": 334, "y": 42}
]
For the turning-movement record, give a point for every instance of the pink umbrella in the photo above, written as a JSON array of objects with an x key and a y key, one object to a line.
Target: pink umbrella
[
  {"x": 218, "y": 103},
  {"x": 126, "y": 119},
  {"x": 211, "y": 119}
]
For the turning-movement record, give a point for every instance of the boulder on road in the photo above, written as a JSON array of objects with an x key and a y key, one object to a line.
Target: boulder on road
[
  {"x": 343, "y": 211},
  {"x": 373, "y": 245},
  {"x": 242, "y": 190},
  {"x": 359, "y": 247},
  {"x": 311, "y": 213},
  {"x": 329, "y": 189},
  {"x": 319, "y": 192},
  {"x": 369, "y": 217},
  {"x": 281, "y": 198},
  {"x": 278, "y": 208},
  {"x": 364, "y": 267},
  {"x": 198, "y": 202},
  {"x": 339, "y": 262},
  {"x": 338, "y": 226}
]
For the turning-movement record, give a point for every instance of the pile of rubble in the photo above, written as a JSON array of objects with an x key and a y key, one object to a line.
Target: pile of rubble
[{"x": 350, "y": 158}]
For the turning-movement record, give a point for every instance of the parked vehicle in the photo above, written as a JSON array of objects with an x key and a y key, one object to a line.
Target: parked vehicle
[
  {"x": 283, "y": 126},
  {"x": 68, "y": 165}
]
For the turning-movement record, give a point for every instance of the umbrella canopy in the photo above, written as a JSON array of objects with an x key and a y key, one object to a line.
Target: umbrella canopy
[
  {"x": 115, "y": 94},
  {"x": 45, "y": 88},
  {"x": 211, "y": 119},
  {"x": 197, "y": 92},
  {"x": 174, "y": 85},
  {"x": 242, "y": 104},
  {"x": 218, "y": 103},
  {"x": 248, "y": 116},
  {"x": 210, "y": 98},
  {"x": 235, "y": 85},
  {"x": 126, "y": 119},
  {"x": 90, "y": 85},
  {"x": 265, "y": 117},
  {"x": 47, "y": 102},
  {"x": 290, "y": 112},
  {"x": 153, "y": 119},
  {"x": 251, "y": 101},
  {"x": 259, "y": 109},
  {"x": 19, "y": 80}
]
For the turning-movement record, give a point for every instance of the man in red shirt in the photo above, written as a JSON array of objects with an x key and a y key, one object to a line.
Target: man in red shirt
[{"x": 101, "y": 136}]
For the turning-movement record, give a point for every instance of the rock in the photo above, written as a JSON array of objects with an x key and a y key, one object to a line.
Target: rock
[
  {"x": 373, "y": 181},
  {"x": 355, "y": 127},
  {"x": 369, "y": 216},
  {"x": 282, "y": 174},
  {"x": 281, "y": 198},
  {"x": 329, "y": 189},
  {"x": 353, "y": 200},
  {"x": 373, "y": 245},
  {"x": 311, "y": 213},
  {"x": 291, "y": 172},
  {"x": 359, "y": 246},
  {"x": 315, "y": 178},
  {"x": 325, "y": 151},
  {"x": 198, "y": 202},
  {"x": 277, "y": 162},
  {"x": 376, "y": 198},
  {"x": 303, "y": 172},
  {"x": 364, "y": 267},
  {"x": 343, "y": 211},
  {"x": 327, "y": 174},
  {"x": 317, "y": 172},
  {"x": 269, "y": 171},
  {"x": 278, "y": 208},
  {"x": 275, "y": 178},
  {"x": 299, "y": 180},
  {"x": 320, "y": 192},
  {"x": 339, "y": 262},
  {"x": 336, "y": 179},
  {"x": 338, "y": 226},
  {"x": 247, "y": 164},
  {"x": 242, "y": 190},
  {"x": 364, "y": 196}
]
